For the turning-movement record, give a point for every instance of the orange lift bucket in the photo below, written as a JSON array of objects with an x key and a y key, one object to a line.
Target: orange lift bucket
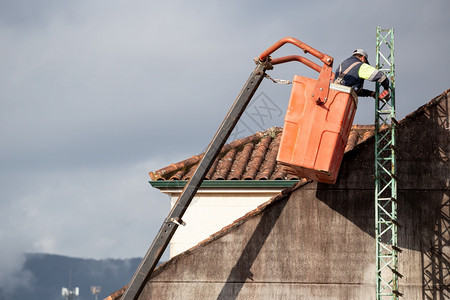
[{"x": 315, "y": 133}]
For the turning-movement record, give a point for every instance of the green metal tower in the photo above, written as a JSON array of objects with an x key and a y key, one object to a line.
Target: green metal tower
[{"x": 385, "y": 175}]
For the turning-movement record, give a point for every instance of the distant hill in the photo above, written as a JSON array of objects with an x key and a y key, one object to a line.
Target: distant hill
[{"x": 50, "y": 273}]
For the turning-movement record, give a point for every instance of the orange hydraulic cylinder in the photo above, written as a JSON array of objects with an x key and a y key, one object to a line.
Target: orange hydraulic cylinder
[{"x": 315, "y": 135}]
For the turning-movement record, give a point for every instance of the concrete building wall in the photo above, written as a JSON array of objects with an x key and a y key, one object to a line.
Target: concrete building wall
[
  {"x": 298, "y": 247},
  {"x": 317, "y": 241}
]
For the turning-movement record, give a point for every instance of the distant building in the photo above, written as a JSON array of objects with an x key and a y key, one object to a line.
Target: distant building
[{"x": 312, "y": 240}]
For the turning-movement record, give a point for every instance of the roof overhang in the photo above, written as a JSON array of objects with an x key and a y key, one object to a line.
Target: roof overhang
[
  {"x": 173, "y": 187},
  {"x": 226, "y": 183}
]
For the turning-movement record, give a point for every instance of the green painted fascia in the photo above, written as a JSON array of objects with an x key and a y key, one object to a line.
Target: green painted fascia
[{"x": 226, "y": 183}]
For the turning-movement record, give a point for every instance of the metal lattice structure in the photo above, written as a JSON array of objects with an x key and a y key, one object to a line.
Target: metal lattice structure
[{"x": 387, "y": 250}]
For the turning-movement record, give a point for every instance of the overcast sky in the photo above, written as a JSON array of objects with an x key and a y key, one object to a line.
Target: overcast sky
[{"x": 95, "y": 94}]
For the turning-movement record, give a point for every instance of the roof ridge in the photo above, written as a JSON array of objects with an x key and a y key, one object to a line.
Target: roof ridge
[{"x": 426, "y": 106}]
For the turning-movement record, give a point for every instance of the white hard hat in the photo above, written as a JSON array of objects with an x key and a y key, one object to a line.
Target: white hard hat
[{"x": 363, "y": 53}]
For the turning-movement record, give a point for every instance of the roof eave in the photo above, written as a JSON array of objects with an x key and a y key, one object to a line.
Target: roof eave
[{"x": 160, "y": 184}]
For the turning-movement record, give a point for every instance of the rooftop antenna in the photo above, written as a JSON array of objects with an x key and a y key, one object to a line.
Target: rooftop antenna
[
  {"x": 95, "y": 290},
  {"x": 68, "y": 293}
]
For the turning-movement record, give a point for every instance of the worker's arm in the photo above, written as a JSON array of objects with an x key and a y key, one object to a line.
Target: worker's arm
[
  {"x": 368, "y": 72},
  {"x": 365, "y": 93}
]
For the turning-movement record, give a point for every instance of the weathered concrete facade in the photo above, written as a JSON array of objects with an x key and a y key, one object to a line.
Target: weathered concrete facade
[{"x": 316, "y": 241}]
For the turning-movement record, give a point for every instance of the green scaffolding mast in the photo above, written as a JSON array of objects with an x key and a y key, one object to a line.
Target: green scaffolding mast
[{"x": 387, "y": 250}]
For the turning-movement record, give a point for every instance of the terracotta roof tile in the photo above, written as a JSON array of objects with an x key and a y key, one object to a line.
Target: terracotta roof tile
[
  {"x": 269, "y": 164},
  {"x": 240, "y": 162},
  {"x": 367, "y": 135},
  {"x": 212, "y": 170},
  {"x": 258, "y": 155},
  {"x": 352, "y": 140},
  {"x": 179, "y": 174},
  {"x": 279, "y": 173},
  {"x": 117, "y": 294},
  {"x": 251, "y": 158},
  {"x": 224, "y": 165}
]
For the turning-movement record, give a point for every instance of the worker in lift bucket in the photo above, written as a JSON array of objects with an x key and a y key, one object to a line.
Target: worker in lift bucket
[{"x": 354, "y": 70}]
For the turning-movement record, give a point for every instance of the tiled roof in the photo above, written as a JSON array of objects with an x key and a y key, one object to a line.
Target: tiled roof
[{"x": 250, "y": 158}]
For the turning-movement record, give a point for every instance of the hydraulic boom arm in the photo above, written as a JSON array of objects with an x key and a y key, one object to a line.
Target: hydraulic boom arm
[{"x": 171, "y": 223}]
